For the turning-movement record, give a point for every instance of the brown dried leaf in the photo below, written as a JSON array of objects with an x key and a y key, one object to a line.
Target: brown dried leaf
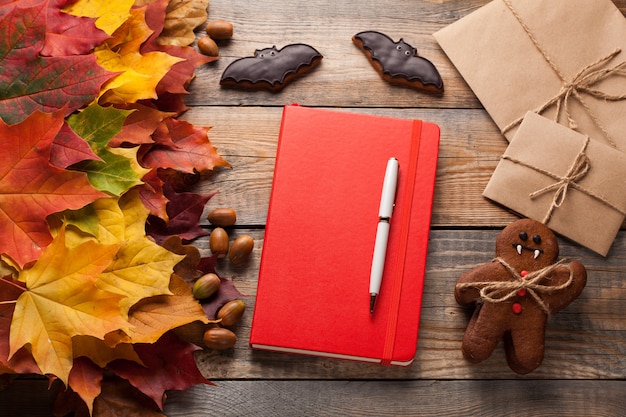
[{"x": 181, "y": 19}]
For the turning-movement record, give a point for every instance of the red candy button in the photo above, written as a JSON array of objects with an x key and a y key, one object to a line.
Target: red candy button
[
  {"x": 517, "y": 308},
  {"x": 521, "y": 292},
  {"x": 523, "y": 273}
]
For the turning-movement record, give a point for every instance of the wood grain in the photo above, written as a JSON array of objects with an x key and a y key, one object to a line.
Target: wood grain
[
  {"x": 401, "y": 398},
  {"x": 584, "y": 369}
]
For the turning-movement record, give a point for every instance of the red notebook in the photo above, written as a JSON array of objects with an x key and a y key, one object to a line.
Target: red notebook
[{"x": 313, "y": 291}]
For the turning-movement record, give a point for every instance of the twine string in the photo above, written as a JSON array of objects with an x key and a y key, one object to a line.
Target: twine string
[
  {"x": 579, "y": 168},
  {"x": 582, "y": 82},
  {"x": 502, "y": 291}
]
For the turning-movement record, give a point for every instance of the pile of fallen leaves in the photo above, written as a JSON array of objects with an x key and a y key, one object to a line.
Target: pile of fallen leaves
[{"x": 93, "y": 155}]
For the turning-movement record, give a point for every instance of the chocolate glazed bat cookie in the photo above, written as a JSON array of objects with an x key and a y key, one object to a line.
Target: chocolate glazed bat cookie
[
  {"x": 398, "y": 62},
  {"x": 270, "y": 68},
  {"x": 515, "y": 294}
]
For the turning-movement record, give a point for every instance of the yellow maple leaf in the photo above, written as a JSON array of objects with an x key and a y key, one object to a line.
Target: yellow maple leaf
[
  {"x": 62, "y": 301},
  {"x": 139, "y": 76},
  {"x": 141, "y": 268},
  {"x": 109, "y": 14},
  {"x": 139, "y": 73}
]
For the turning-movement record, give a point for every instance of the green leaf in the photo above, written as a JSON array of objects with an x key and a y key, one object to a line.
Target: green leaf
[
  {"x": 115, "y": 173},
  {"x": 98, "y": 125}
]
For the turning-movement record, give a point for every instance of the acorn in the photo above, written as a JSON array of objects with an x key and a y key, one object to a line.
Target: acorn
[
  {"x": 231, "y": 312},
  {"x": 208, "y": 47},
  {"x": 219, "y": 29},
  {"x": 241, "y": 249},
  {"x": 222, "y": 217},
  {"x": 205, "y": 286},
  {"x": 219, "y": 242},
  {"x": 219, "y": 338}
]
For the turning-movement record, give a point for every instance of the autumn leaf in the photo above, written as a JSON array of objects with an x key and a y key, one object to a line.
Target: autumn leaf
[
  {"x": 62, "y": 301},
  {"x": 68, "y": 34},
  {"x": 109, "y": 14},
  {"x": 139, "y": 125},
  {"x": 181, "y": 146},
  {"x": 22, "y": 361},
  {"x": 68, "y": 149},
  {"x": 141, "y": 269},
  {"x": 115, "y": 171},
  {"x": 181, "y": 19},
  {"x": 178, "y": 78},
  {"x": 100, "y": 352},
  {"x": 183, "y": 211},
  {"x": 151, "y": 317},
  {"x": 86, "y": 379},
  {"x": 139, "y": 72},
  {"x": 117, "y": 398},
  {"x": 169, "y": 365},
  {"x": 31, "y": 188},
  {"x": 51, "y": 83}
]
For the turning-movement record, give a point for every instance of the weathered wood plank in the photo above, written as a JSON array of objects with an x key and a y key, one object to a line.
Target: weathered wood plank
[
  {"x": 27, "y": 397},
  {"x": 344, "y": 78},
  {"x": 401, "y": 398},
  {"x": 247, "y": 136},
  {"x": 470, "y": 149},
  {"x": 589, "y": 333}
]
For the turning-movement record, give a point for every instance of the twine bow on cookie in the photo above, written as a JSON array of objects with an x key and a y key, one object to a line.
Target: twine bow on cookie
[
  {"x": 582, "y": 82},
  {"x": 501, "y": 291}
]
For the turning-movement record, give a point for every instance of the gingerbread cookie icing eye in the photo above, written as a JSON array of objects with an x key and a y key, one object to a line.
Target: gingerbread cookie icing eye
[
  {"x": 537, "y": 239},
  {"x": 523, "y": 235}
]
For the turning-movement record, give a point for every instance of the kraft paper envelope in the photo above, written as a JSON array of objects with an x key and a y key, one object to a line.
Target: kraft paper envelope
[
  {"x": 524, "y": 55},
  {"x": 560, "y": 177}
]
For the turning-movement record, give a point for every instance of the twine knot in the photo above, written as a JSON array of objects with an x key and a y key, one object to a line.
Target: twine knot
[
  {"x": 577, "y": 171},
  {"x": 582, "y": 82},
  {"x": 500, "y": 291}
]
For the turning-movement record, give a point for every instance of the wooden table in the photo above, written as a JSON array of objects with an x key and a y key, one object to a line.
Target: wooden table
[{"x": 584, "y": 369}]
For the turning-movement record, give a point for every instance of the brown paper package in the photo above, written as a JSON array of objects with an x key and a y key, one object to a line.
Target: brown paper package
[
  {"x": 555, "y": 175},
  {"x": 523, "y": 55}
]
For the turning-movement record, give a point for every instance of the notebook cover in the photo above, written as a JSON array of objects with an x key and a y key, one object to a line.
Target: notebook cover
[{"x": 313, "y": 289}]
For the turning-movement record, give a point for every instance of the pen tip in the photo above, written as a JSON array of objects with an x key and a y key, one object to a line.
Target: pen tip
[{"x": 372, "y": 302}]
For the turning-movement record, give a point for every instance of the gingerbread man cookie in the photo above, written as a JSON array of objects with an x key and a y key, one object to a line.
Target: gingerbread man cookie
[{"x": 515, "y": 294}]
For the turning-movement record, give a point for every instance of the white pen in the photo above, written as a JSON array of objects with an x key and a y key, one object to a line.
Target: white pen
[{"x": 387, "y": 201}]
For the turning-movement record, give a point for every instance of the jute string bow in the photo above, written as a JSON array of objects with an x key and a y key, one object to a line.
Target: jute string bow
[
  {"x": 501, "y": 291},
  {"x": 582, "y": 82},
  {"x": 579, "y": 168}
]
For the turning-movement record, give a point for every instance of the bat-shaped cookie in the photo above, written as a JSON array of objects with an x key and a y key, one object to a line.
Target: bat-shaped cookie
[
  {"x": 270, "y": 68},
  {"x": 398, "y": 62}
]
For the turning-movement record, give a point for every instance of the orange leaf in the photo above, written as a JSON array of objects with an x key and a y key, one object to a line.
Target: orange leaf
[
  {"x": 31, "y": 188},
  {"x": 153, "y": 316},
  {"x": 85, "y": 380}
]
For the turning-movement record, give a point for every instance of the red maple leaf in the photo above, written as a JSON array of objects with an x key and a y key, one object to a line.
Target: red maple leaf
[
  {"x": 50, "y": 83},
  {"x": 31, "y": 188},
  {"x": 68, "y": 34},
  {"x": 181, "y": 146},
  {"x": 169, "y": 365},
  {"x": 183, "y": 211}
]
